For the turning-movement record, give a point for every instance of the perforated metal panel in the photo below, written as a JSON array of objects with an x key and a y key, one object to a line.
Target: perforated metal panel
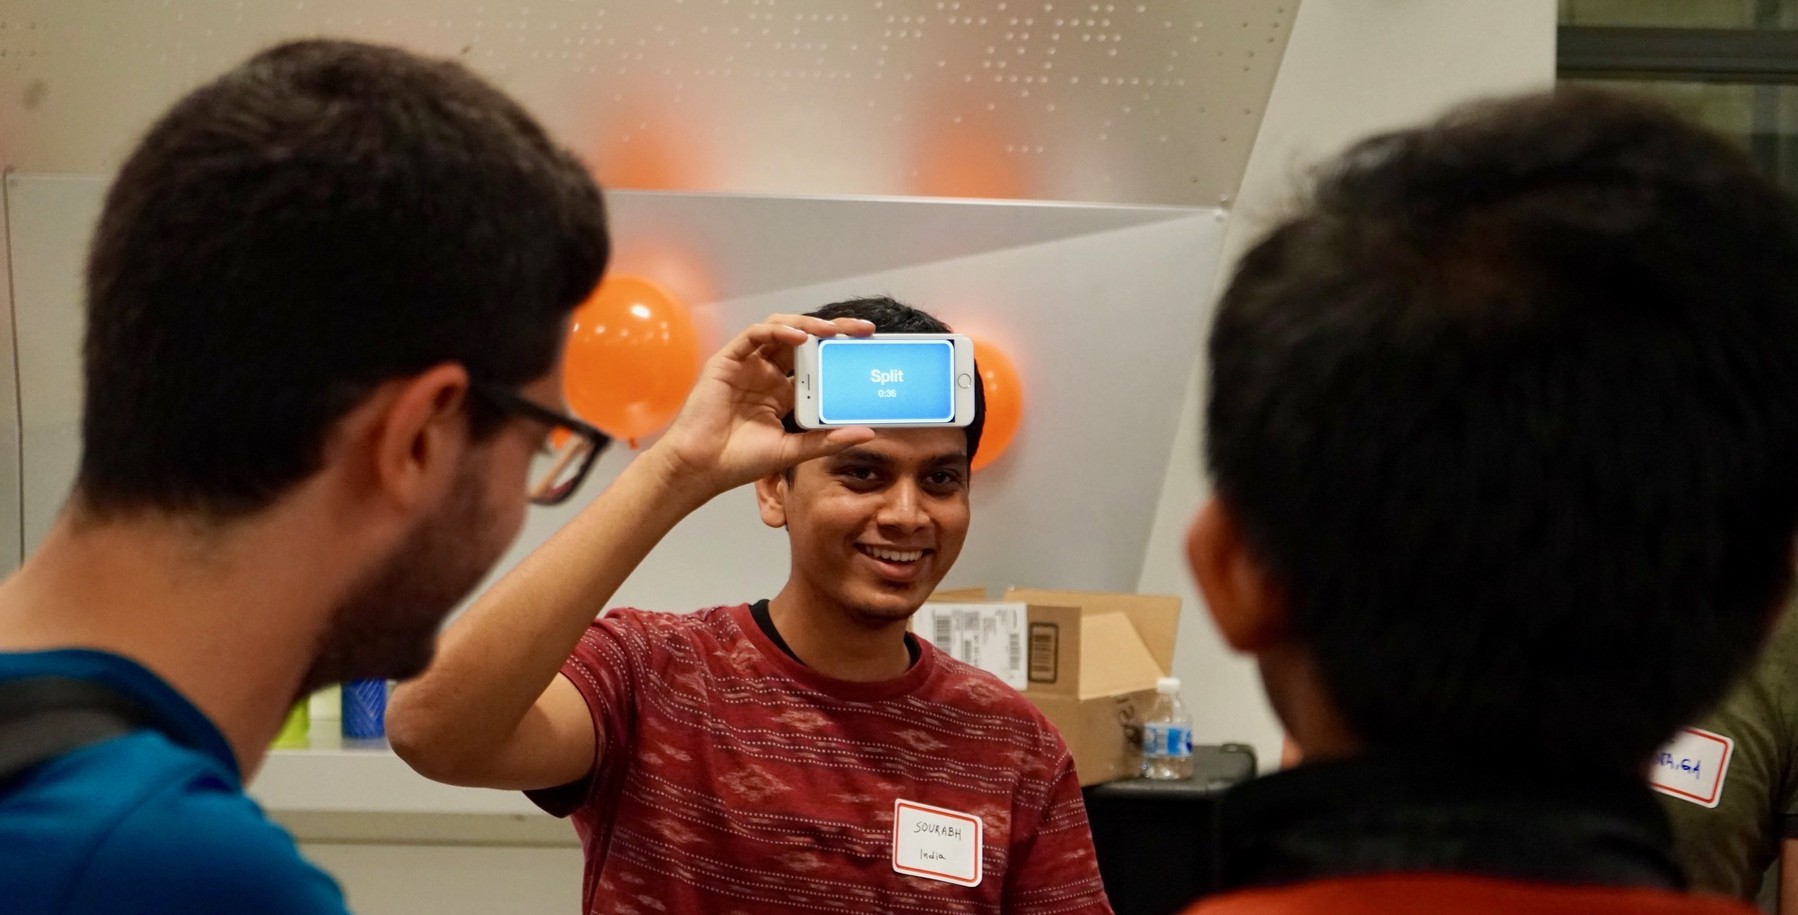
[{"x": 1146, "y": 102}]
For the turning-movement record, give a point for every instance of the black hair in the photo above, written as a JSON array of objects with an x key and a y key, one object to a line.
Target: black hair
[
  {"x": 893, "y": 317},
  {"x": 1509, "y": 412},
  {"x": 322, "y": 218}
]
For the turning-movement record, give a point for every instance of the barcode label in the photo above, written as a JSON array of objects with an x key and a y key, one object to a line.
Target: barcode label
[
  {"x": 988, "y": 636},
  {"x": 1045, "y": 638}
]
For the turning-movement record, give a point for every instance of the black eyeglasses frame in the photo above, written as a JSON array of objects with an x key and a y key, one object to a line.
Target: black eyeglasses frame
[{"x": 509, "y": 401}]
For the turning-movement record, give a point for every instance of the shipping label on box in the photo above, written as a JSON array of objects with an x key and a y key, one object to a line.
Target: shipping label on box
[{"x": 989, "y": 636}]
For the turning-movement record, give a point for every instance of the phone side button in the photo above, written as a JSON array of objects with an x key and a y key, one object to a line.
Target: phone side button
[{"x": 964, "y": 380}]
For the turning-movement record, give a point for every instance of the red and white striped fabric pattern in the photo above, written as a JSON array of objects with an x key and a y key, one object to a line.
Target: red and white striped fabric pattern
[{"x": 732, "y": 779}]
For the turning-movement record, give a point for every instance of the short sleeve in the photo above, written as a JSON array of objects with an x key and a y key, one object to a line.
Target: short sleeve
[
  {"x": 605, "y": 667},
  {"x": 1727, "y": 848}
]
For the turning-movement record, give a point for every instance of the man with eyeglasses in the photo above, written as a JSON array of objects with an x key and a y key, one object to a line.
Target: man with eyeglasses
[
  {"x": 572, "y": 447},
  {"x": 801, "y": 753},
  {"x": 325, "y": 306}
]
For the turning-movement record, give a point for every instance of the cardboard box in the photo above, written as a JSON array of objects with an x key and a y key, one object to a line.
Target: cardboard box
[{"x": 1093, "y": 659}]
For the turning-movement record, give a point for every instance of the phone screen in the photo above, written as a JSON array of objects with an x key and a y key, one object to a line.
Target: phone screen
[{"x": 869, "y": 382}]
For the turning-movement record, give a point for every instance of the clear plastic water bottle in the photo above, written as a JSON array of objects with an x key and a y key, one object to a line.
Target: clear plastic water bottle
[{"x": 1167, "y": 734}]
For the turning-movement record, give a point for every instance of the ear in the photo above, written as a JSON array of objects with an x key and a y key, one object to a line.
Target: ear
[
  {"x": 771, "y": 498},
  {"x": 1248, "y": 609},
  {"x": 416, "y": 436},
  {"x": 1290, "y": 754}
]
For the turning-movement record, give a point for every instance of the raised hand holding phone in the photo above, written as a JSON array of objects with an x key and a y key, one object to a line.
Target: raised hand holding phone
[{"x": 729, "y": 431}]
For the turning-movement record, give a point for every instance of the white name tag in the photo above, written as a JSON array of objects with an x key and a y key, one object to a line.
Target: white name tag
[
  {"x": 936, "y": 843},
  {"x": 1692, "y": 766}
]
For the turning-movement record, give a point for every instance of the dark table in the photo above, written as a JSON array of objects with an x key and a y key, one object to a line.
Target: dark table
[{"x": 1157, "y": 840}]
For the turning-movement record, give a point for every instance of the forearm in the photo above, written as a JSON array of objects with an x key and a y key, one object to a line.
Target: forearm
[
  {"x": 495, "y": 660},
  {"x": 485, "y": 712}
]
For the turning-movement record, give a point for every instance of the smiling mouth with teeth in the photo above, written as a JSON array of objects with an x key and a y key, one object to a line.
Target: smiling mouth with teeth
[{"x": 891, "y": 555}]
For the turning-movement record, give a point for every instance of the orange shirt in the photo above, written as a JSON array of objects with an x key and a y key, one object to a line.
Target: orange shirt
[{"x": 1450, "y": 894}]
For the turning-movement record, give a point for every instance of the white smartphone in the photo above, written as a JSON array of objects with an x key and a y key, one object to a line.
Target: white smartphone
[{"x": 887, "y": 380}]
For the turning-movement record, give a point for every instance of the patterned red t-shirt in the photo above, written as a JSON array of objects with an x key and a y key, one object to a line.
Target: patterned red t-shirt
[{"x": 733, "y": 779}]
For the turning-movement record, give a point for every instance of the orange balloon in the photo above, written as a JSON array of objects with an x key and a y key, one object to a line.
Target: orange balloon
[
  {"x": 632, "y": 357},
  {"x": 1004, "y": 402}
]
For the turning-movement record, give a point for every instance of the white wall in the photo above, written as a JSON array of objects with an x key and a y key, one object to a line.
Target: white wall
[
  {"x": 1352, "y": 67},
  {"x": 10, "y": 435}
]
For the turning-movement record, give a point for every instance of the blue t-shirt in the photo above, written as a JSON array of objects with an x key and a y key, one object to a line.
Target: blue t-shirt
[{"x": 143, "y": 824}]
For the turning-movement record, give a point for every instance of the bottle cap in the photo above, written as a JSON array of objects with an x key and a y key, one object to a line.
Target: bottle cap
[{"x": 1167, "y": 686}]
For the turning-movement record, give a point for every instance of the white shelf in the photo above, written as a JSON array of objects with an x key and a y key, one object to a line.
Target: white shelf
[
  {"x": 368, "y": 781},
  {"x": 333, "y": 794}
]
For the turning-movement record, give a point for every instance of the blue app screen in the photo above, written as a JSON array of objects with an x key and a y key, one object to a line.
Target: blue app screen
[{"x": 868, "y": 382}]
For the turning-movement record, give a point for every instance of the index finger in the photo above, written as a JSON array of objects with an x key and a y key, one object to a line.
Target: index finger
[
  {"x": 824, "y": 327},
  {"x": 783, "y": 332}
]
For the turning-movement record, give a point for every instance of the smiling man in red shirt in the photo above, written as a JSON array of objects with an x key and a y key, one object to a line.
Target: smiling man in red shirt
[{"x": 802, "y": 753}]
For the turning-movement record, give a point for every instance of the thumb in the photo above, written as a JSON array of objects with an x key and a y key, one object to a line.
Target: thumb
[{"x": 819, "y": 443}]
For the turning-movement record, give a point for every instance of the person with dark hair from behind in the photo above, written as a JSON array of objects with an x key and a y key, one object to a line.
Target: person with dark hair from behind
[
  {"x": 1502, "y": 428},
  {"x": 754, "y": 757},
  {"x": 325, "y": 302}
]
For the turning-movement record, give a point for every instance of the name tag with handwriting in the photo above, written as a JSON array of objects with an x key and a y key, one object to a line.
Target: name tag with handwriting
[
  {"x": 937, "y": 843},
  {"x": 1692, "y": 766}
]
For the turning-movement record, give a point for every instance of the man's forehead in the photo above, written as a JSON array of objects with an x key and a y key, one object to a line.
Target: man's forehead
[
  {"x": 934, "y": 444},
  {"x": 545, "y": 389}
]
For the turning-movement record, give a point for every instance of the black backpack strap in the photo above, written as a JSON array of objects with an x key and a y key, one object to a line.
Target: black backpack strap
[{"x": 44, "y": 717}]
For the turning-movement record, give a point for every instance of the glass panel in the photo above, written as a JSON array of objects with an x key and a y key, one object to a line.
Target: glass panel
[
  {"x": 1682, "y": 14},
  {"x": 1763, "y": 118}
]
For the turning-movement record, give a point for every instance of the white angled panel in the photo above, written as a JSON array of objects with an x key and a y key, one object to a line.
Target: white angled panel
[{"x": 1099, "y": 307}]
